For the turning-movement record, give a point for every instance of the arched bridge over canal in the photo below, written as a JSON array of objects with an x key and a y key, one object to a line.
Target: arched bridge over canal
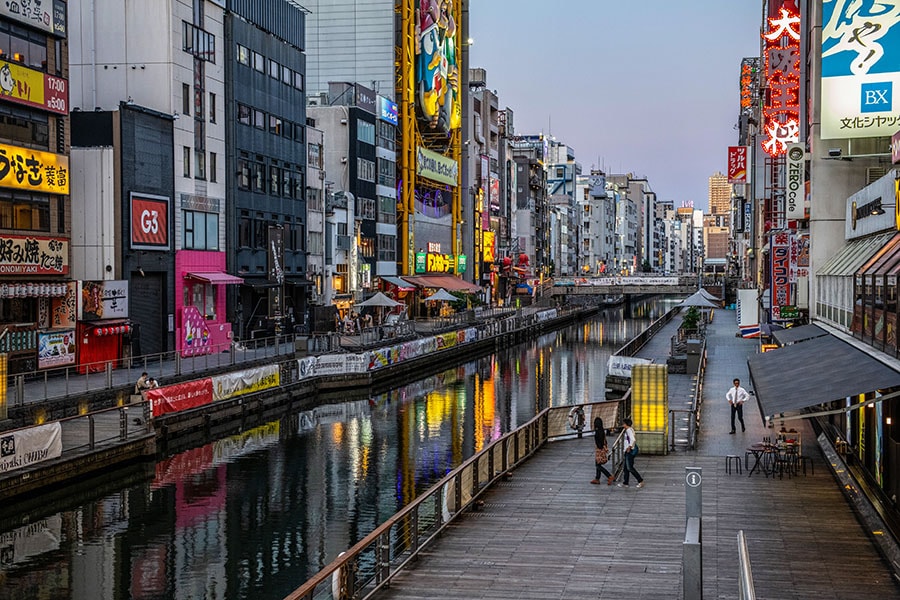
[{"x": 591, "y": 286}]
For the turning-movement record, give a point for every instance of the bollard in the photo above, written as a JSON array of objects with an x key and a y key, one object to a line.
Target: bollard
[{"x": 692, "y": 549}]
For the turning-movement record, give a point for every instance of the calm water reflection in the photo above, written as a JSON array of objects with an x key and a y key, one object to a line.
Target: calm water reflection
[{"x": 254, "y": 515}]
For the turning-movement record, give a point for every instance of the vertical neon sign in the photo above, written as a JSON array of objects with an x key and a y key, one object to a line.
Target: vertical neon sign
[{"x": 781, "y": 110}]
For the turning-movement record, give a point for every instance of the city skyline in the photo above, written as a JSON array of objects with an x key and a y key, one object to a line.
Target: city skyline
[{"x": 702, "y": 114}]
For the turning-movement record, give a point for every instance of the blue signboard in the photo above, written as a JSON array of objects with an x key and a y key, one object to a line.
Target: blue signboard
[{"x": 387, "y": 110}]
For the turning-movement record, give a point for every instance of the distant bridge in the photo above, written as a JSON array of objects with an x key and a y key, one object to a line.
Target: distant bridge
[{"x": 589, "y": 286}]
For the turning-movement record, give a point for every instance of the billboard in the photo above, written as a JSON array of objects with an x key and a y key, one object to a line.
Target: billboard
[
  {"x": 780, "y": 255},
  {"x": 56, "y": 348},
  {"x": 33, "y": 171},
  {"x": 22, "y": 85},
  {"x": 796, "y": 182},
  {"x": 149, "y": 222},
  {"x": 33, "y": 255},
  {"x": 781, "y": 109},
  {"x": 103, "y": 300},
  {"x": 737, "y": 164},
  {"x": 437, "y": 70},
  {"x": 49, "y": 16},
  {"x": 388, "y": 111},
  {"x": 860, "y": 69}
]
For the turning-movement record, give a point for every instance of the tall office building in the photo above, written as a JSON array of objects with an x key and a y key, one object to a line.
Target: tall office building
[{"x": 719, "y": 197}]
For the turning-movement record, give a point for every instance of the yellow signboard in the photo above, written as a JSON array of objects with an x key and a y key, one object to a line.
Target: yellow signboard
[
  {"x": 34, "y": 171},
  {"x": 436, "y": 167},
  {"x": 22, "y": 85},
  {"x": 487, "y": 246}
]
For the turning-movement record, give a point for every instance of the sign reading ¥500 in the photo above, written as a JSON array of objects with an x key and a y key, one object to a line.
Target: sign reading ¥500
[{"x": 32, "y": 170}]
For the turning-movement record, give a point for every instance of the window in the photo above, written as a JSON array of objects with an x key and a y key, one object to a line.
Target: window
[
  {"x": 200, "y": 164},
  {"x": 243, "y": 174},
  {"x": 387, "y": 210},
  {"x": 259, "y": 177},
  {"x": 342, "y": 229},
  {"x": 387, "y": 247},
  {"x": 288, "y": 130},
  {"x": 314, "y": 199},
  {"x": 275, "y": 125},
  {"x": 314, "y": 242},
  {"x": 243, "y": 114},
  {"x": 387, "y": 172},
  {"x": 298, "y": 80},
  {"x": 185, "y": 99},
  {"x": 201, "y": 230},
  {"x": 274, "y": 181},
  {"x": 202, "y": 296},
  {"x": 287, "y": 76},
  {"x": 212, "y": 167},
  {"x": 298, "y": 132},
  {"x": 367, "y": 247},
  {"x": 259, "y": 62},
  {"x": 245, "y": 231},
  {"x": 243, "y": 55},
  {"x": 186, "y": 156},
  {"x": 365, "y": 208},
  {"x": 365, "y": 170},
  {"x": 29, "y": 131},
  {"x": 261, "y": 231},
  {"x": 386, "y": 135},
  {"x": 287, "y": 183},
  {"x": 365, "y": 132},
  {"x": 274, "y": 69},
  {"x": 259, "y": 119},
  {"x": 24, "y": 47},
  {"x": 314, "y": 155},
  {"x": 212, "y": 107},
  {"x": 199, "y": 43},
  {"x": 29, "y": 212},
  {"x": 298, "y": 185}
]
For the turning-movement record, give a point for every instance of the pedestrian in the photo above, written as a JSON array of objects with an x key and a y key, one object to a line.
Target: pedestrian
[
  {"x": 142, "y": 384},
  {"x": 601, "y": 454},
  {"x": 736, "y": 397},
  {"x": 576, "y": 419},
  {"x": 631, "y": 450}
]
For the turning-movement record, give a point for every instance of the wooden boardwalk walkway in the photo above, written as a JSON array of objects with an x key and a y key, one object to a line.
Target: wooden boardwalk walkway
[{"x": 547, "y": 533}]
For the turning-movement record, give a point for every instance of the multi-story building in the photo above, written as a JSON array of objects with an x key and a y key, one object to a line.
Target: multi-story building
[
  {"x": 627, "y": 230},
  {"x": 315, "y": 212},
  {"x": 36, "y": 299},
  {"x": 637, "y": 188},
  {"x": 596, "y": 226},
  {"x": 719, "y": 198},
  {"x": 562, "y": 176},
  {"x": 531, "y": 206}
]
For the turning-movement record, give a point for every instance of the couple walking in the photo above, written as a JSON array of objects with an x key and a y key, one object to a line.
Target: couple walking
[{"x": 601, "y": 454}]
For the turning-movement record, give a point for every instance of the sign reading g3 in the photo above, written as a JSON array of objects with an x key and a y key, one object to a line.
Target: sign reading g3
[{"x": 149, "y": 221}]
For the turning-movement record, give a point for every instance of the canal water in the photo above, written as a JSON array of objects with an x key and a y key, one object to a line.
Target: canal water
[{"x": 256, "y": 514}]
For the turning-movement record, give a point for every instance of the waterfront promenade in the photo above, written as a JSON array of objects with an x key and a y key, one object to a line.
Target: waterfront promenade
[{"x": 548, "y": 533}]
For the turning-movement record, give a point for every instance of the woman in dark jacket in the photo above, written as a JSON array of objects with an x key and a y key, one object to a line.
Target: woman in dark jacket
[{"x": 600, "y": 442}]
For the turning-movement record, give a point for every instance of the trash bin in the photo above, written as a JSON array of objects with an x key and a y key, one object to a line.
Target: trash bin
[{"x": 694, "y": 351}]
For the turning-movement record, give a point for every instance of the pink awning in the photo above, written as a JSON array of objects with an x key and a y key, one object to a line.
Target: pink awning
[{"x": 216, "y": 278}]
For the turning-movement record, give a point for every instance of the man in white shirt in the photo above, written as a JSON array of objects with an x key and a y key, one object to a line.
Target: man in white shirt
[{"x": 736, "y": 397}]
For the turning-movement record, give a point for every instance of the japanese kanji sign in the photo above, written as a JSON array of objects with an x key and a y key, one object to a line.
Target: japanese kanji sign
[
  {"x": 22, "y": 85},
  {"x": 26, "y": 169},
  {"x": 737, "y": 164},
  {"x": 33, "y": 255},
  {"x": 860, "y": 69},
  {"x": 781, "y": 111},
  {"x": 780, "y": 254}
]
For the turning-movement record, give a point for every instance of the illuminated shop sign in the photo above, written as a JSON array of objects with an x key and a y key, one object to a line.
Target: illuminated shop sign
[
  {"x": 749, "y": 83},
  {"x": 860, "y": 69},
  {"x": 737, "y": 164},
  {"x": 22, "y": 85},
  {"x": 796, "y": 180},
  {"x": 433, "y": 262},
  {"x": 149, "y": 222},
  {"x": 780, "y": 252},
  {"x": 437, "y": 69},
  {"x": 34, "y": 171},
  {"x": 33, "y": 255},
  {"x": 388, "y": 111},
  {"x": 781, "y": 111}
]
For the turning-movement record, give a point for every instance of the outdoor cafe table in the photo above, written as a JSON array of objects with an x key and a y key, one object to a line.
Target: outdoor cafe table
[{"x": 760, "y": 460}]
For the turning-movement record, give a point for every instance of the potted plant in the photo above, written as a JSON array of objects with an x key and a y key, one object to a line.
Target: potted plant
[{"x": 691, "y": 319}]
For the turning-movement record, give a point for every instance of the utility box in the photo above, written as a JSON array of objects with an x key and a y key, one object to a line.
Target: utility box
[{"x": 694, "y": 352}]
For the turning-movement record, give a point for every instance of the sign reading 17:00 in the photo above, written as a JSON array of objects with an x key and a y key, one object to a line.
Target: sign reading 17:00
[{"x": 27, "y": 169}]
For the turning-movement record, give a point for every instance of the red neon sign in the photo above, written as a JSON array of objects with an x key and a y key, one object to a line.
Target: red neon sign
[{"x": 781, "y": 111}]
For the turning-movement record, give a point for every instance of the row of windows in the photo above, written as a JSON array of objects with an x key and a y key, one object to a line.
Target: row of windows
[
  {"x": 198, "y": 113},
  {"x": 200, "y": 166},
  {"x": 387, "y": 247},
  {"x": 276, "y": 71},
  {"x": 386, "y": 135},
  {"x": 31, "y": 212},
  {"x": 23, "y": 46},
  {"x": 253, "y": 231},
  {"x": 365, "y": 132},
  {"x": 272, "y": 179},
  {"x": 247, "y": 115}
]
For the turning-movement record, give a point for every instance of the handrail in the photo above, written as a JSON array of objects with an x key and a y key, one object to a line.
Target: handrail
[
  {"x": 746, "y": 591},
  {"x": 637, "y": 342},
  {"x": 373, "y": 561}
]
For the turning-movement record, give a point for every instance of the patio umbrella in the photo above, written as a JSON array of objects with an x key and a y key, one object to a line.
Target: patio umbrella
[
  {"x": 709, "y": 295},
  {"x": 442, "y": 294},
  {"x": 380, "y": 299},
  {"x": 699, "y": 300}
]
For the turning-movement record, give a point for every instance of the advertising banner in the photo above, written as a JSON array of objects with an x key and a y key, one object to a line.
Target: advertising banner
[
  {"x": 860, "y": 69},
  {"x": 799, "y": 256},
  {"x": 64, "y": 310},
  {"x": 32, "y": 170},
  {"x": 195, "y": 337},
  {"x": 748, "y": 313},
  {"x": 795, "y": 193},
  {"x": 436, "y": 167},
  {"x": 103, "y": 300},
  {"x": 737, "y": 164},
  {"x": 25, "y": 447},
  {"x": 56, "y": 348},
  {"x": 180, "y": 396},
  {"x": 33, "y": 255},
  {"x": 388, "y": 111},
  {"x": 437, "y": 70},
  {"x": 620, "y": 366},
  {"x": 21, "y": 85},
  {"x": 446, "y": 340},
  {"x": 149, "y": 222},
  {"x": 49, "y": 15},
  {"x": 243, "y": 382},
  {"x": 306, "y": 367},
  {"x": 780, "y": 288},
  {"x": 341, "y": 364}
]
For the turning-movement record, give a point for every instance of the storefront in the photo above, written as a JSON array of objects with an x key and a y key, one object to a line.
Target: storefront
[
  {"x": 201, "y": 326},
  {"x": 875, "y": 289},
  {"x": 103, "y": 329}
]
